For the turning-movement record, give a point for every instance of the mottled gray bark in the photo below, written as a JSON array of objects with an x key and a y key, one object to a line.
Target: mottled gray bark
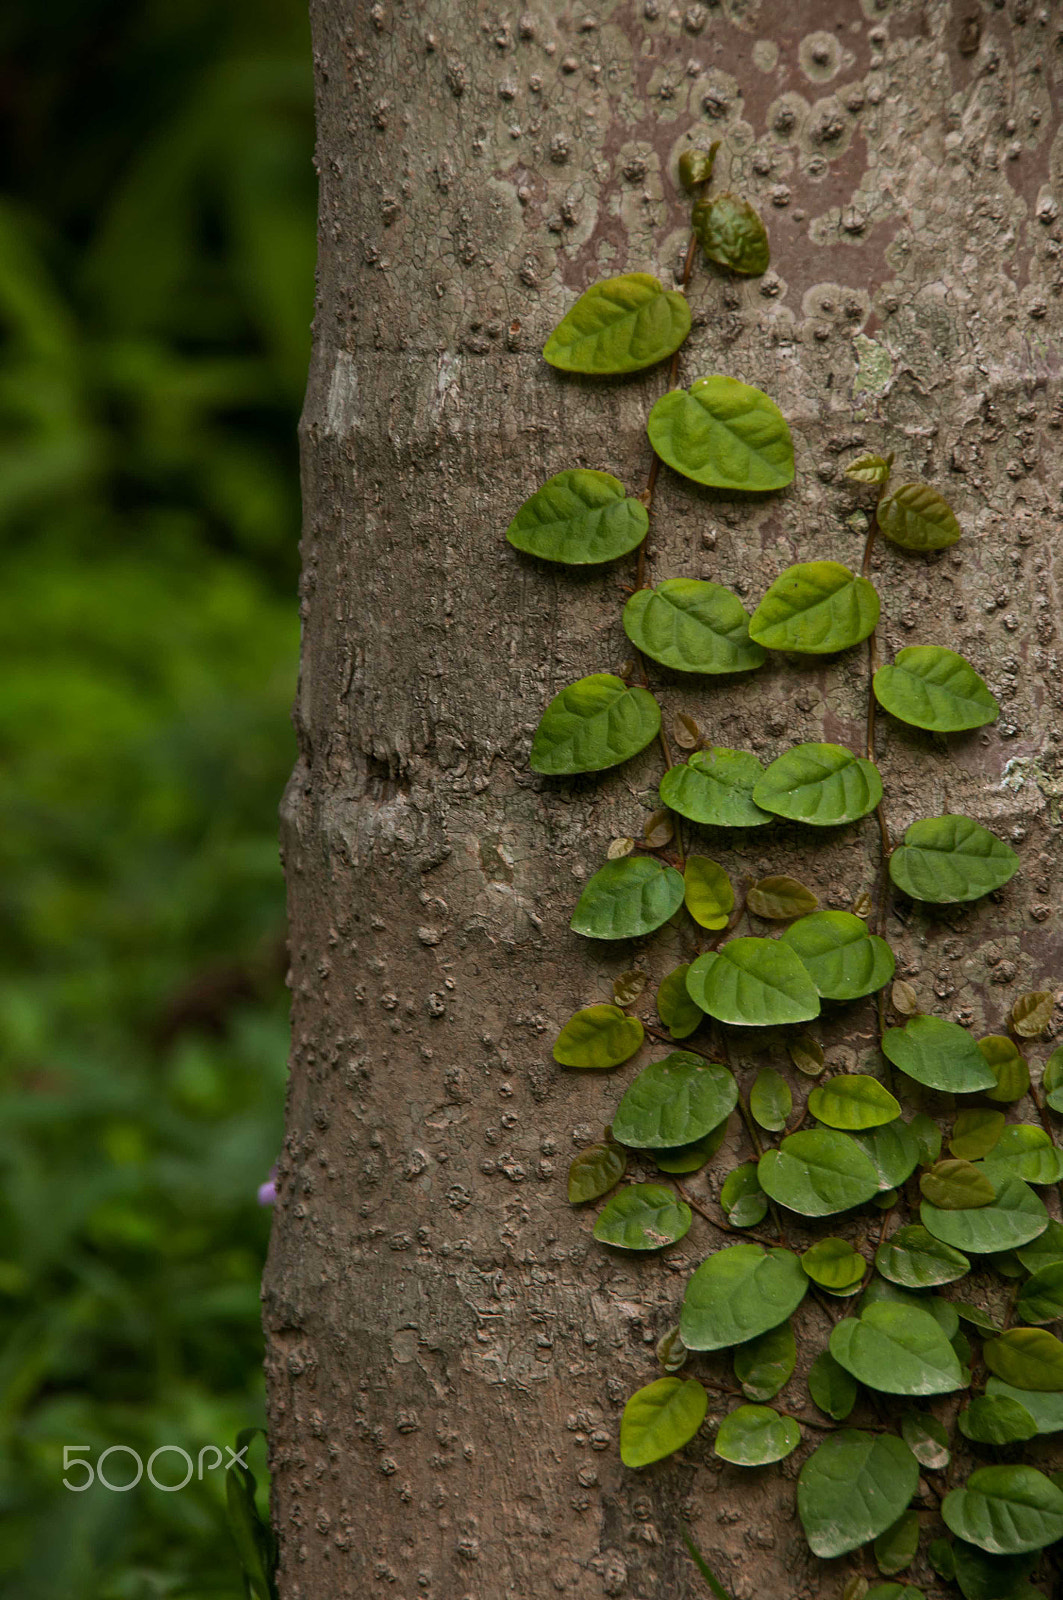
[{"x": 449, "y": 1351}]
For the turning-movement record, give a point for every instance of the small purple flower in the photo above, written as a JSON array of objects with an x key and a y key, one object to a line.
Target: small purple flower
[{"x": 267, "y": 1192}]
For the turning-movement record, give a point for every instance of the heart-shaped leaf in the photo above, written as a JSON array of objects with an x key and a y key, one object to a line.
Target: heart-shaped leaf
[
  {"x": 1031, "y": 1013},
  {"x": 738, "y": 1293},
  {"x": 709, "y": 896},
  {"x": 1052, "y": 1080},
  {"x": 893, "y": 1151},
  {"x": 595, "y": 1171},
  {"x": 725, "y": 434},
  {"x": 918, "y": 518},
  {"x": 938, "y": 1054},
  {"x": 818, "y": 1173},
  {"x": 660, "y": 1419},
  {"x": 753, "y": 983},
  {"x": 853, "y": 1101},
  {"x": 927, "y": 1439},
  {"x": 949, "y": 859},
  {"x": 674, "y": 1102},
  {"x": 691, "y": 1157},
  {"x": 743, "y": 1201},
  {"x": 715, "y": 787},
  {"x": 931, "y": 687},
  {"x": 1044, "y": 1405},
  {"x": 598, "y": 1036},
  {"x": 996, "y": 1419},
  {"x": 821, "y": 784},
  {"x": 834, "y": 1265},
  {"x": 1015, "y": 1217},
  {"x": 731, "y": 233},
  {"x": 897, "y": 1547},
  {"x": 1026, "y": 1152},
  {"x": 619, "y": 325},
  {"x": 643, "y": 1216},
  {"x": 852, "y": 1488},
  {"x": 595, "y": 723},
  {"x": 692, "y": 626},
  {"x": 1007, "y": 1066},
  {"x": 943, "y": 1311},
  {"x": 753, "y": 1436},
  {"x": 675, "y": 1007},
  {"x": 913, "y": 1258},
  {"x": 1005, "y": 1510},
  {"x": 815, "y": 608},
  {"x": 1041, "y": 1297},
  {"x": 983, "y": 1577},
  {"x": 580, "y": 518},
  {"x": 831, "y": 1387},
  {"x": 843, "y": 960},
  {"x": 869, "y": 469},
  {"x": 976, "y": 1132},
  {"x": 897, "y": 1350},
  {"x": 954, "y": 1185},
  {"x": 1042, "y": 1251},
  {"x": 779, "y": 899},
  {"x": 628, "y": 898},
  {"x": 1026, "y": 1358},
  {"x": 927, "y": 1136},
  {"x": 764, "y": 1364},
  {"x": 770, "y": 1100}
]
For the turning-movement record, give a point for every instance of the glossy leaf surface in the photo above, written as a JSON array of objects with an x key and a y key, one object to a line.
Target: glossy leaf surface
[
  {"x": 938, "y": 1054},
  {"x": 642, "y": 1216},
  {"x": 675, "y": 1101},
  {"x": 820, "y": 784},
  {"x": 1015, "y": 1217},
  {"x": 1006, "y": 1510},
  {"x": 692, "y": 626},
  {"x": 724, "y": 434},
  {"x": 1026, "y": 1358},
  {"x": 934, "y": 688},
  {"x": 580, "y": 518},
  {"x": 852, "y": 1488},
  {"x": 815, "y": 608},
  {"x": 818, "y": 1173},
  {"x": 619, "y": 325},
  {"x": 913, "y": 1258},
  {"x": 949, "y": 859},
  {"x": 753, "y": 1436},
  {"x": 834, "y": 1265},
  {"x": 595, "y": 723},
  {"x": 844, "y": 960},
  {"x": 738, "y": 1293},
  {"x": 660, "y": 1419},
  {"x": 753, "y": 983},
  {"x": 709, "y": 896},
  {"x": 628, "y": 898},
  {"x": 599, "y": 1037},
  {"x": 897, "y": 1350},
  {"x": 853, "y": 1101},
  {"x": 715, "y": 787}
]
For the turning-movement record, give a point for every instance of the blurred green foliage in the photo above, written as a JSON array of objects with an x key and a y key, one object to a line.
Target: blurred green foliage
[{"x": 156, "y": 265}]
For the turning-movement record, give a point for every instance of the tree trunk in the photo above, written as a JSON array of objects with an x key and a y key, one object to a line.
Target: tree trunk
[{"x": 449, "y": 1350}]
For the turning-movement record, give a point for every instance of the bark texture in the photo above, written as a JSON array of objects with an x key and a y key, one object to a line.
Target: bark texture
[{"x": 449, "y": 1351}]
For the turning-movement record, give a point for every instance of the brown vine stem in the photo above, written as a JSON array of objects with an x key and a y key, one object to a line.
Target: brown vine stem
[{"x": 716, "y": 1222}]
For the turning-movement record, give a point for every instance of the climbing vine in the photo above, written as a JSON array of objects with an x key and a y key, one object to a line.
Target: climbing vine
[{"x": 916, "y": 1365}]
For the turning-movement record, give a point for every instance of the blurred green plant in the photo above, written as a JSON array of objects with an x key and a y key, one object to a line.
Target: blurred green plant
[{"x": 156, "y": 257}]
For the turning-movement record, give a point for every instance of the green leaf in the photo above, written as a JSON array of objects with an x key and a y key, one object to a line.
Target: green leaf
[
  {"x": 975, "y": 1132},
  {"x": 628, "y": 898},
  {"x": 913, "y": 1258},
  {"x": 821, "y": 784},
  {"x": 619, "y": 325},
  {"x": 894, "y": 1591},
  {"x": 598, "y": 1036},
  {"x": 595, "y": 723},
  {"x": 753, "y": 1436},
  {"x": 869, "y": 469},
  {"x": 975, "y": 1316},
  {"x": 692, "y": 626},
  {"x": 928, "y": 1137},
  {"x": 770, "y": 1100},
  {"x": 709, "y": 896},
  {"x": 996, "y": 1419},
  {"x": 580, "y": 518},
  {"x": 853, "y": 1101},
  {"x": 691, "y": 1157},
  {"x": 1015, "y": 1217},
  {"x": 1041, "y": 1297},
  {"x": 896, "y": 1548},
  {"x": 724, "y": 434},
  {"x": 696, "y": 167},
  {"x": 1026, "y": 1358},
  {"x": 1026, "y": 1152},
  {"x": 834, "y": 1265},
  {"x": 897, "y": 1349},
  {"x": 843, "y": 960},
  {"x": 950, "y": 859},
  {"x": 779, "y": 899},
  {"x": 1044, "y": 1405},
  {"x": 674, "y": 1102},
  {"x": 927, "y": 1439},
  {"x": 832, "y": 1388},
  {"x": 675, "y": 1007},
  {"x": 1005, "y": 1510},
  {"x": 931, "y": 687},
  {"x": 595, "y": 1171},
  {"x": 753, "y": 983},
  {"x": 1052, "y": 1080},
  {"x": 893, "y": 1151},
  {"x": 731, "y": 233},
  {"x": 1042, "y": 1251},
  {"x": 938, "y": 1054},
  {"x": 738, "y": 1293},
  {"x": 764, "y": 1364},
  {"x": 983, "y": 1577},
  {"x": 815, "y": 608},
  {"x": 660, "y": 1419},
  {"x": 818, "y": 1173},
  {"x": 939, "y": 1554},
  {"x": 743, "y": 1200},
  {"x": 715, "y": 788},
  {"x": 954, "y": 1185},
  {"x": 852, "y": 1488},
  {"x": 1008, "y": 1067},
  {"x": 918, "y": 518},
  {"x": 644, "y": 1216}
]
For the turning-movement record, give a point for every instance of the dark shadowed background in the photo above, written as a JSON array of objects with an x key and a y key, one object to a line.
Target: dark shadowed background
[{"x": 156, "y": 263}]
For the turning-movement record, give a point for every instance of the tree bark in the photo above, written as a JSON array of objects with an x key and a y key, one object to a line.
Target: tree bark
[{"x": 448, "y": 1349}]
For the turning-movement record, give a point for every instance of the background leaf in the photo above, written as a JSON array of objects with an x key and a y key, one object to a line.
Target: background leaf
[
  {"x": 896, "y": 1548},
  {"x": 954, "y": 1185},
  {"x": 765, "y": 1364},
  {"x": 1026, "y": 1358},
  {"x": 950, "y": 859},
  {"x": 1007, "y": 1066},
  {"x": 743, "y": 1201},
  {"x": 779, "y": 898},
  {"x": 975, "y": 1132},
  {"x": 675, "y": 1007},
  {"x": 628, "y": 898},
  {"x": 815, "y": 608},
  {"x": 869, "y": 469},
  {"x": 1005, "y": 1510},
  {"x": 996, "y": 1419},
  {"x": 834, "y": 1265},
  {"x": 770, "y": 1100},
  {"x": 820, "y": 784},
  {"x": 1031, "y": 1013},
  {"x": 934, "y": 688},
  {"x": 725, "y": 434},
  {"x": 594, "y": 1171},
  {"x": 580, "y": 518},
  {"x": 913, "y": 1258},
  {"x": 619, "y": 325},
  {"x": 832, "y": 1388},
  {"x": 692, "y": 626},
  {"x": 918, "y": 518},
  {"x": 594, "y": 724}
]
